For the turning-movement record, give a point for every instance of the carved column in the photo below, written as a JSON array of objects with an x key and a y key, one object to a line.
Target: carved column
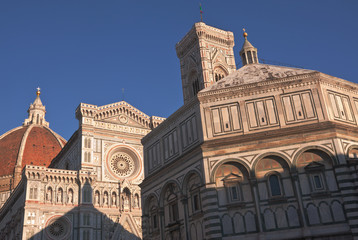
[
  {"x": 161, "y": 222},
  {"x": 184, "y": 201},
  {"x": 296, "y": 186},
  {"x": 253, "y": 182}
]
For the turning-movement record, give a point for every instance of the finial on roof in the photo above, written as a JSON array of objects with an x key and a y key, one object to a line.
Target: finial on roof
[
  {"x": 36, "y": 111},
  {"x": 245, "y": 33},
  {"x": 248, "y": 52},
  {"x": 201, "y": 13}
]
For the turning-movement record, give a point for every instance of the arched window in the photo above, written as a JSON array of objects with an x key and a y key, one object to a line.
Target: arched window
[
  {"x": 171, "y": 203},
  {"x": 193, "y": 193},
  {"x": 220, "y": 73},
  {"x": 232, "y": 178},
  {"x": 314, "y": 163},
  {"x": 275, "y": 186},
  {"x": 272, "y": 169},
  {"x": 151, "y": 209},
  {"x": 353, "y": 154}
]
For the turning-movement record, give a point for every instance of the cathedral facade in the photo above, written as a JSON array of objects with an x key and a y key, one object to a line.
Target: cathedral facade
[
  {"x": 259, "y": 152},
  {"x": 86, "y": 188}
]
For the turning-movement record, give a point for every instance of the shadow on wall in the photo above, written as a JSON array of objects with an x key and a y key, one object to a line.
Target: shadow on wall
[
  {"x": 83, "y": 222},
  {"x": 290, "y": 194}
]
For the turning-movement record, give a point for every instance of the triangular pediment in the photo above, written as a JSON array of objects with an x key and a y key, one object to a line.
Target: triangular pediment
[
  {"x": 123, "y": 113},
  {"x": 232, "y": 177},
  {"x": 314, "y": 166}
]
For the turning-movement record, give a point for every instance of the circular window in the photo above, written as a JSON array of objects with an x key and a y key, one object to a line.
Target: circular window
[
  {"x": 122, "y": 164},
  {"x": 58, "y": 228}
]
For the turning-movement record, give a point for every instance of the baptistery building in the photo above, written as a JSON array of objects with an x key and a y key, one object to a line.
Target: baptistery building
[{"x": 259, "y": 152}]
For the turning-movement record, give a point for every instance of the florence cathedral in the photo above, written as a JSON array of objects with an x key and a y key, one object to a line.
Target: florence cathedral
[{"x": 259, "y": 152}]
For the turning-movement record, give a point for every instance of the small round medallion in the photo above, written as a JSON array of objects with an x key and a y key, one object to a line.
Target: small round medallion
[{"x": 123, "y": 119}]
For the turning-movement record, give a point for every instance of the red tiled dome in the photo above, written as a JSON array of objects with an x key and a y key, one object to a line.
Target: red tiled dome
[{"x": 28, "y": 145}]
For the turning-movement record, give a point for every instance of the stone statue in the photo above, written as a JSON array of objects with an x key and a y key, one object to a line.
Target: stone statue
[
  {"x": 70, "y": 197},
  {"x": 114, "y": 199},
  {"x": 59, "y": 196},
  {"x": 49, "y": 195},
  {"x": 105, "y": 199},
  {"x": 96, "y": 199}
]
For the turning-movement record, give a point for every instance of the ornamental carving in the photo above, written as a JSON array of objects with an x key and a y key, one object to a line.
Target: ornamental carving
[
  {"x": 58, "y": 228},
  {"x": 122, "y": 164}
]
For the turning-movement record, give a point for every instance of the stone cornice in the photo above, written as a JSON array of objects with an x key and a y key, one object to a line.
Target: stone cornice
[
  {"x": 121, "y": 128},
  {"x": 338, "y": 83},
  {"x": 258, "y": 87},
  {"x": 272, "y": 85}
]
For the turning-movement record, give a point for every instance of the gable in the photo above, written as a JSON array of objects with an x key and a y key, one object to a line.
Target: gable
[{"x": 122, "y": 113}]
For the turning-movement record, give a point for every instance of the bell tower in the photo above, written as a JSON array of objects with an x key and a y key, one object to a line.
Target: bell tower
[{"x": 206, "y": 56}]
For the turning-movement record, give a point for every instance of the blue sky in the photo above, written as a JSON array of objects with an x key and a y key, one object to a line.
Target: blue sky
[{"x": 88, "y": 50}]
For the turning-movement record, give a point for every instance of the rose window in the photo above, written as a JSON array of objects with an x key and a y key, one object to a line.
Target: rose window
[
  {"x": 58, "y": 228},
  {"x": 122, "y": 164}
]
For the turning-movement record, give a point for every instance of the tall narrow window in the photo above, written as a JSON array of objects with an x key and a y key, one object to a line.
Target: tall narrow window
[
  {"x": 317, "y": 182},
  {"x": 234, "y": 193},
  {"x": 154, "y": 221},
  {"x": 249, "y": 56},
  {"x": 174, "y": 213},
  {"x": 275, "y": 185},
  {"x": 33, "y": 193},
  {"x": 243, "y": 59},
  {"x": 196, "y": 202},
  {"x": 196, "y": 87}
]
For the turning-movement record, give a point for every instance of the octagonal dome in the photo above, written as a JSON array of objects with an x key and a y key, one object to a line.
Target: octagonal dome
[
  {"x": 28, "y": 145},
  {"x": 33, "y": 143}
]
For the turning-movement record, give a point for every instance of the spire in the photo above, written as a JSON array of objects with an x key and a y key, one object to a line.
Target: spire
[
  {"x": 36, "y": 112},
  {"x": 248, "y": 52}
]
